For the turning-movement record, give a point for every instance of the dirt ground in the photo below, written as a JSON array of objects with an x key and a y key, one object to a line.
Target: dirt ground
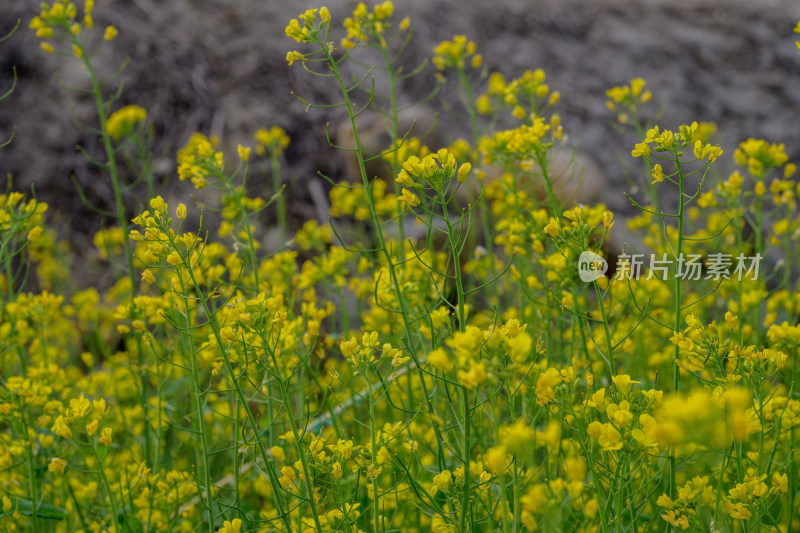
[{"x": 218, "y": 66}]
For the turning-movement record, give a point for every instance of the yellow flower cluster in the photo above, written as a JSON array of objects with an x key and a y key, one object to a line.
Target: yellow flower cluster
[
  {"x": 363, "y": 353},
  {"x": 627, "y": 99},
  {"x": 760, "y": 157},
  {"x": 22, "y": 225},
  {"x": 305, "y": 32},
  {"x": 455, "y": 54},
  {"x": 84, "y": 416},
  {"x": 437, "y": 170},
  {"x": 673, "y": 142},
  {"x": 273, "y": 140},
  {"x": 21, "y": 217},
  {"x": 520, "y": 143},
  {"x": 122, "y": 122},
  {"x": 198, "y": 160},
  {"x": 528, "y": 90},
  {"x": 59, "y": 20},
  {"x": 351, "y": 199},
  {"x": 364, "y": 24}
]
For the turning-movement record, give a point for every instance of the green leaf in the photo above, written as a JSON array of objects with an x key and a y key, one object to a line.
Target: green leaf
[
  {"x": 45, "y": 510},
  {"x": 102, "y": 451},
  {"x": 130, "y": 524}
]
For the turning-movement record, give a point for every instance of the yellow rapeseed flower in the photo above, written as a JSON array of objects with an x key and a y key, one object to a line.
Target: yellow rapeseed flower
[
  {"x": 739, "y": 511},
  {"x": 553, "y": 227},
  {"x": 148, "y": 276},
  {"x": 123, "y": 121},
  {"x": 293, "y": 56},
  {"x": 496, "y": 459},
  {"x": 606, "y": 434},
  {"x": 623, "y": 383},
  {"x": 409, "y": 198},
  {"x": 658, "y": 173},
  {"x": 110, "y": 33},
  {"x": 324, "y": 14},
  {"x": 105, "y": 436},
  {"x": 57, "y": 465},
  {"x": 517, "y": 437},
  {"x": 61, "y": 428},
  {"x": 274, "y": 139},
  {"x": 545, "y": 386},
  {"x": 442, "y": 482},
  {"x": 231, "y": 526}
]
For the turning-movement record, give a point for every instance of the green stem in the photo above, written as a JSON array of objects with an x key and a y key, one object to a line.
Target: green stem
[
  {"x": 465, "y": 502},
  {"x": 504, "y": 503},
  {"x": 620, "y": 514},
  {"x": 112, "y": 163},
  {"x": 272, "y": 476},
  {"x": 405, "y": 312},
  {"x": 235, "y": 438},
  {"x": 122, "y": 218},
  {"x": 245, "y": 221},
  {"x": 606, "y": 329},
  {"x": 720, "y": 480},
  {"x": 376, "y": 515},
  {"x": 551, "y": 193},
  {"x": 792, "y": 485},
  {"x": 287, "y": 405},
  {"x": 676, "y": 375},
  {"x": 469, "y": 104},
  {"x": 454, "y": 248},
  {"x": 461, "y": 325},
  {"x": 198, "y": 405},
  {"x": 602, "y": 497},
  {"x": 29, "y": 458},
  {"x": 515, "y": 489},
  {"x": 394, "y": 133},
  {"x": 107, "y": 485},
  {"x": 277, "y": 183},
  {"x": 759, "y": 246}
]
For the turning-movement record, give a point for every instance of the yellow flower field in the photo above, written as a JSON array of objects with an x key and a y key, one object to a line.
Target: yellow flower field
[{"x": 463, "y": 348}]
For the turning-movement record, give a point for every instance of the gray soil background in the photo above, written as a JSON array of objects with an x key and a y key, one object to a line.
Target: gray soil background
[{"x": 219, "y": 67}]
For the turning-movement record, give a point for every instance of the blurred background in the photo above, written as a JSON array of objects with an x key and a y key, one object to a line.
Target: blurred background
[{"x": 218, "y": 67}]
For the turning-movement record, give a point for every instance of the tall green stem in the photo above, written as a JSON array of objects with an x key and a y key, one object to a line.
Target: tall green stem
[
  {"x": 209, "y": 314},
  {"x": 676, "y": 376},
  {"x": 197, "y": 393},
  {"x": 30, "y": 461},
  {"x": 394, "y": 133},
  {"x": 287, "y": 405},
  {"x": 107, "y": 486},
  {"x": 467, "y": 408},
  {"x": 112, "y": 163},
  {"x": 404, "y": 310},
  {"x": 122, "y": 220},
  {"x": 277, "y": 183}
]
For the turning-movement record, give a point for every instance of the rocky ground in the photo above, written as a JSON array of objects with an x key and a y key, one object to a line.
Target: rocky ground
[{"x": 218, "y": 66}]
